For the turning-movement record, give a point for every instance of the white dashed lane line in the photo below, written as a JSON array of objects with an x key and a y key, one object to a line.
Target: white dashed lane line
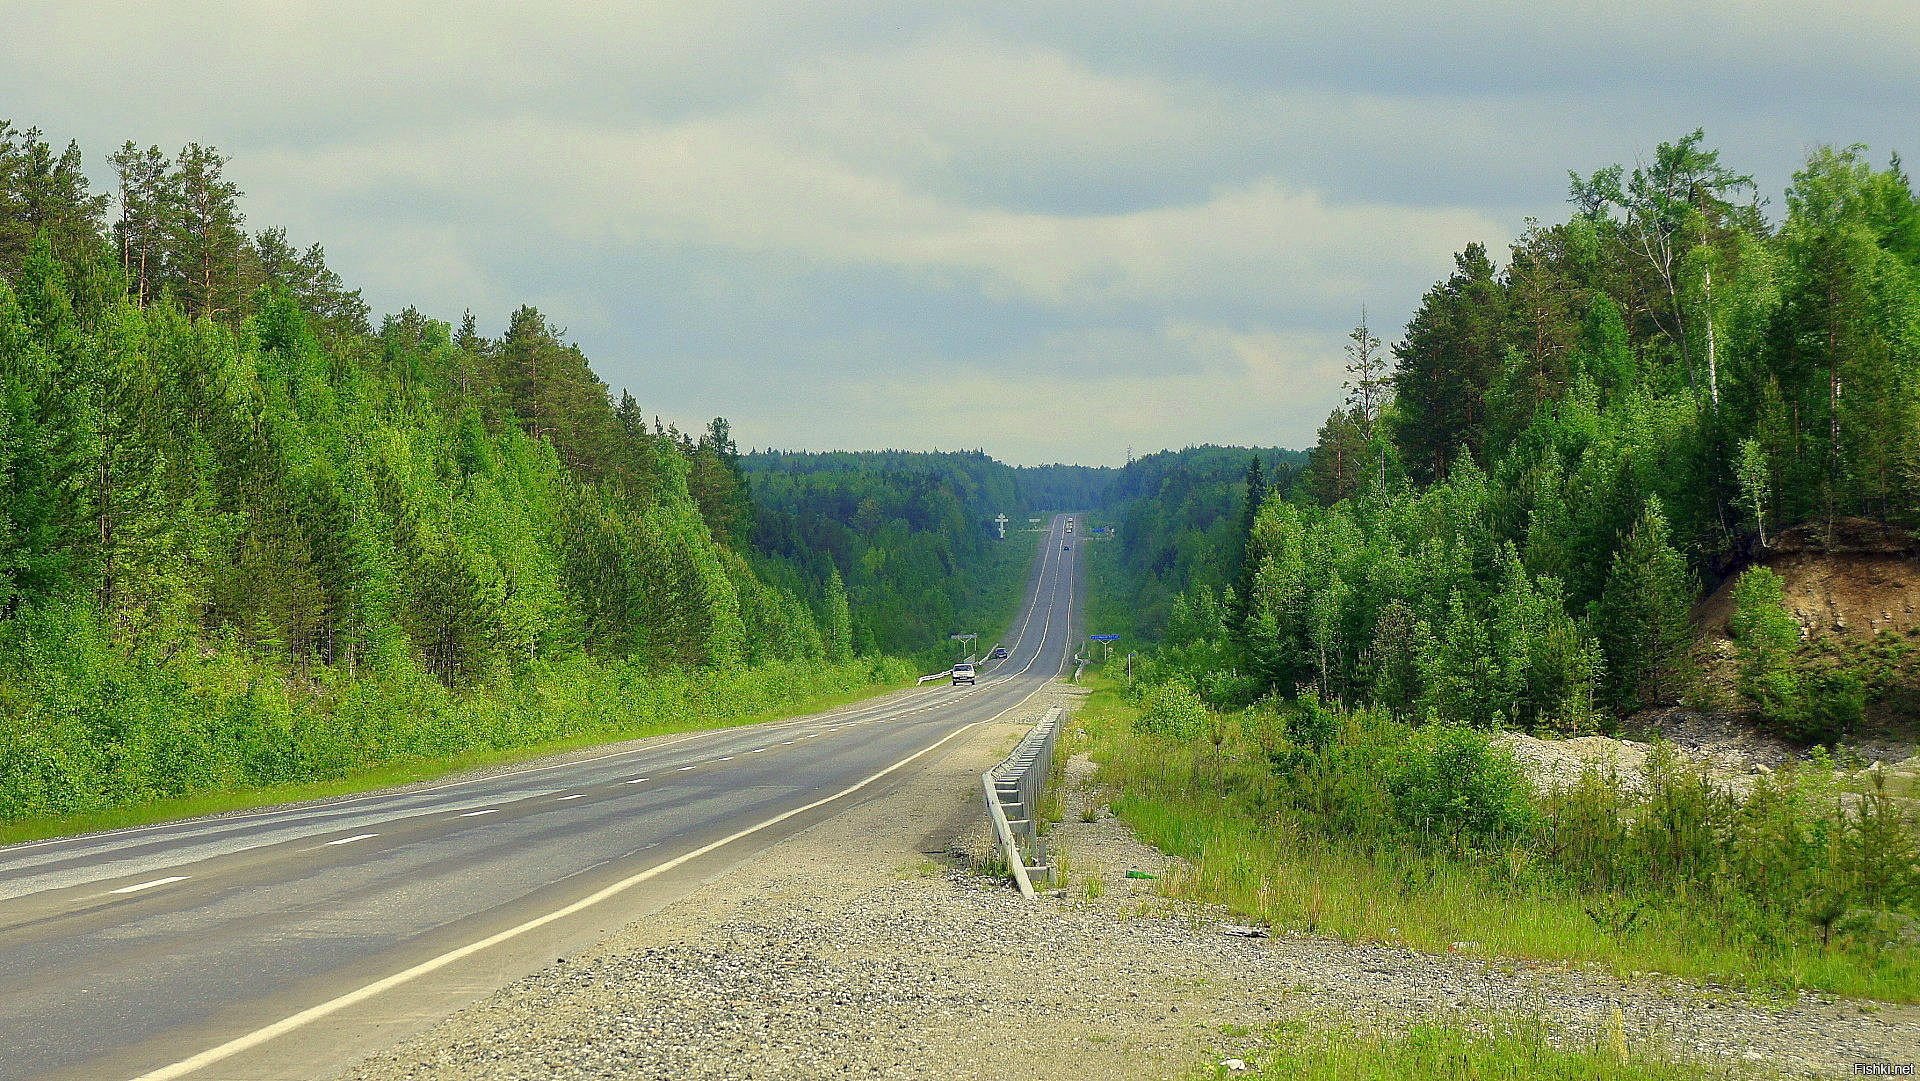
[
  {"x": 683, "y": 769},
  {"x": 150, "y": 885},
  {"x": 350, "y": 840},
  {"x": 727, "y": 758},
  {"x": 564, "y": 799},
  {"x": 477, "y": 814},
  {"x": 639, "y": 780}
]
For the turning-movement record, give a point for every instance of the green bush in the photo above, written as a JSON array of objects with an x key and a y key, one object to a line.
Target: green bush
[
  {"x": 1794, "y": 696},
  {"x": 1173, "y": 710},
  {"x": 1367, "y": 777},
  {"x": 1453, "y": 781}
]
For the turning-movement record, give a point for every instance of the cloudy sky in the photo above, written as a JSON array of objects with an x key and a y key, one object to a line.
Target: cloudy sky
[{"x": 1052, "y": 230}]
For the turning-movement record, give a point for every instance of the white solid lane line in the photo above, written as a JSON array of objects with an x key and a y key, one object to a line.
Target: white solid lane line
[
  {"x": 477, "y": 814},
  {"x": 350, "y": 840},
  {"x": 564, "y": 799},
  {"x": 150, "y": 885}
]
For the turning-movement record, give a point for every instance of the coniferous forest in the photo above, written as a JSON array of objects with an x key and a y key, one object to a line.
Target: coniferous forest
[
  {"x": 1514, "y": 511},
  {"x": 248, "y": 537}
]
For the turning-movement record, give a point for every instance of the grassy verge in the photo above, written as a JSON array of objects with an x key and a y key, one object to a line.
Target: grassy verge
[
  {"x": 1504, "y": 1050},
  {"x": 419, "y": 768},
  {"x": 1216, "y": 802}
]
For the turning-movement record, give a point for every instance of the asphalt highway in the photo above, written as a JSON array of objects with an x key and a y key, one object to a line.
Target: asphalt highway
[{"x": 290, "y": 942}]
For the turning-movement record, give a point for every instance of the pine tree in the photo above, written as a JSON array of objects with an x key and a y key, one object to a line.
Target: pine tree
[
  {"x": 148, "y": 212},
  {"x": 1641, "y": 618},
  {"x": 205, "y": 242},
  {"x": 43, "y": 193},
  {"x": 1247, "y": 557},
  {"x": 1453, "y": 350}
]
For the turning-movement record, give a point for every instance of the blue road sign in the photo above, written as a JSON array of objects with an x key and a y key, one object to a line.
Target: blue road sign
[{"x": 1104, "y": 637}]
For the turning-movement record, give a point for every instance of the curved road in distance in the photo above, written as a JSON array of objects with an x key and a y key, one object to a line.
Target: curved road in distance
[{"x": 292, "y": 942}]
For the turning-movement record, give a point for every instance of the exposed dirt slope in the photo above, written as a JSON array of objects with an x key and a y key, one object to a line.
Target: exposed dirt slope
[{"x": 1861, "y": 583}]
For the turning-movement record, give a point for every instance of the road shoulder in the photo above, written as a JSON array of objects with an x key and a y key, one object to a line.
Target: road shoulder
[{"x": 866, "y": 946}]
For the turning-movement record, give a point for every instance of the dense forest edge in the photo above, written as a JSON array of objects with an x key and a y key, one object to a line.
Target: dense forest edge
[
  {"x": 252, "y": 542},
  {"x": 1658, "y": 470}
]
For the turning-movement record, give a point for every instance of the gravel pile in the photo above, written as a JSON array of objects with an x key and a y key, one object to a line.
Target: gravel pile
[{"x": 864, "y": 949}]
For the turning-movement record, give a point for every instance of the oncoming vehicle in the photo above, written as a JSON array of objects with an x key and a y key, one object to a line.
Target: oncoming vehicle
[
  {"x": 962, "y": 673},
  {"x": 999, "y": 653}
]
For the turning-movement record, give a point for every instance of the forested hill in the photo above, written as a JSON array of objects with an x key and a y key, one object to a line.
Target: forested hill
[
  {"x": 247, "y": 536},
  {"x": 1178, "y": 519},
  {"x": 204, "y": 436},
  {"x": 908, "y": 536},
  {"x": 1514, "y": 512}
]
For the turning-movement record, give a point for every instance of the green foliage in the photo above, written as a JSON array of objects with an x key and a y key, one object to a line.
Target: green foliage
[
  {"x": 1641, "y": 618},
  {"x": 1492, "y": 1048},
  {"x": 1802, "y": 699},
  {"x": 1370, "y": 779},
  {"x": 248, "y": 539},
  {"x": 93, "y": 725},
  {"x": 908, "y": 538},
  {"x": 1180, "y": 519},
  {"x": 1174, "y": 711},
  {"x": 1423, "y": 835}
]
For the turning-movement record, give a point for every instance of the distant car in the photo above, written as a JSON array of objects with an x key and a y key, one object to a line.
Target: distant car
[
  {"x": 1064, "y": 547},
  {"x": 962, "y": 673},
  {"x": 999, "y": 653}
]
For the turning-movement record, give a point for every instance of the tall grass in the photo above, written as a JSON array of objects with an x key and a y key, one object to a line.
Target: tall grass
[
  {"x": 1510, "y": 1050},
  {"x": 93, "y": 732},
  {"x": 1326, "y": 841}
]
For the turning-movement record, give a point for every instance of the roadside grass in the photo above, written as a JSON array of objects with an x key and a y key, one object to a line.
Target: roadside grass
[
  {"x": 1510, "y": 1049},
  {"x": 417, "y": 770},
  {"x": 1203, "y": 802},
  {"x": 94, "y": 736}
]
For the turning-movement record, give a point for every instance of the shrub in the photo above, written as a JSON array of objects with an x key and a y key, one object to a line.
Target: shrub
[
  {"x": 1367, "y": 777},
  {"x": 1797, "y": 700},
  {"x": 1173, "y": 710},
  {"x": 1453, "y": 781}
]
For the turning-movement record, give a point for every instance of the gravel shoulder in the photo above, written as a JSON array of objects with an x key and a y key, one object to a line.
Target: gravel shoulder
[{"x": 867, "y": 946}]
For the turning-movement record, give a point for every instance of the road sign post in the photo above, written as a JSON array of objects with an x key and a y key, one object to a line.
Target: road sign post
[{"x": 1106, "y": 643}]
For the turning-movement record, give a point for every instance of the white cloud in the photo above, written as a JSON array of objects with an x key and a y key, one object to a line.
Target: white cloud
[{"x": 1168, "y": 210}]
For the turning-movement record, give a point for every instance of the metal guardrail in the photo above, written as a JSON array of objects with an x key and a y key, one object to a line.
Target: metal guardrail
[{"x": 1012, "y": 790}]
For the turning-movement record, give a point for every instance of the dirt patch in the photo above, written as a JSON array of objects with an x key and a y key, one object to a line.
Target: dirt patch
[{"x": 868, "y": 946}]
